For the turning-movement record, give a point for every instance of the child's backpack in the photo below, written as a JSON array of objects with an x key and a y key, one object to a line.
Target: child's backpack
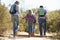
[{"x": 13, "y": 9}]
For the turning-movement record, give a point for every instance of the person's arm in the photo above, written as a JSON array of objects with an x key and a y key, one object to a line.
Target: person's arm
[
  {"x": 37, "y": 11},
  {"x": 46, "y": 14},
  {"x": 18, "y": 10},
  {"x": 20, "y": 13},
  {"x": 34, "y": 19},
  {"x": 25, "y": 16}
]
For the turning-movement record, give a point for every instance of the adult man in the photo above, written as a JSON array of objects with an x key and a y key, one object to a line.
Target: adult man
[
  {"x": 42, "y": 19},
  {"x": 14, "y": 11}
]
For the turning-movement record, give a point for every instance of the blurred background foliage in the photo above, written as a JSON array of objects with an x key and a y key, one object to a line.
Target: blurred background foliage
[{"x": 53, "y": 20}]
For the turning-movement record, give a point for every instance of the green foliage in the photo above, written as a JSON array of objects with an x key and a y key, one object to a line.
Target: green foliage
[{"x": 53, "y": 20}]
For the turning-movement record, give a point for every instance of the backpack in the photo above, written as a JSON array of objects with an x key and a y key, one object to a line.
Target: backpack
[
  {"x": 13, "y": 9},
  {"x": 41, "y": 12}
]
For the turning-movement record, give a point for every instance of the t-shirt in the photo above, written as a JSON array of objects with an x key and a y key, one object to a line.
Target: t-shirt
[{"x": 31, "y": 18}]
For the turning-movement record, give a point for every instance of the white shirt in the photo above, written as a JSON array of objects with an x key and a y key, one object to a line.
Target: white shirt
[{"x": 18, "y": 10}]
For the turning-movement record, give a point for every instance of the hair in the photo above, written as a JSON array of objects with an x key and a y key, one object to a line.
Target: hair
[
  {"x": 29, "y": 11},
  {"x": 41, "y": 6},
  {"x": 17, "y": 2}
]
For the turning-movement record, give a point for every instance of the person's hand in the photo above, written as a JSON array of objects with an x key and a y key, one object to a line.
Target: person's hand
[
  {"x": 23, "y": 17},
  {"x": 46, "y": 16}
]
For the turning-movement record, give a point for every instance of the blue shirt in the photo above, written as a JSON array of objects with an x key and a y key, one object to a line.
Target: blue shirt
[{"x": 38, "y": 12}]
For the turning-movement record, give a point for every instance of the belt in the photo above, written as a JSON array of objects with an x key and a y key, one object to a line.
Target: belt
[{"x": 41, "y": 15}]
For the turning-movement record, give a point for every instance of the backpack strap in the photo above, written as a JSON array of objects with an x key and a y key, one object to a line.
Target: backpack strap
[{"x": 14, "y": 7}]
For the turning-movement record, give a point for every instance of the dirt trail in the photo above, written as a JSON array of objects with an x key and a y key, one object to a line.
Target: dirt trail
[{"x": 9, "y": 36}]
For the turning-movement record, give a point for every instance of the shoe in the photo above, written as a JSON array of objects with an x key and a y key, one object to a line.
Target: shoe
[
  {"x": 29, "y": 34},
  {"x": 41, "y": 35},
  {"x": 17, "y": 28},
  {"x": 44, "y": 34},
  {"x": 32, "y": 34}
]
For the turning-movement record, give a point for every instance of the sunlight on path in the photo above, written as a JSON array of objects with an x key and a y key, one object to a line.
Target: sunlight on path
[{"x": 26, "y": 38}]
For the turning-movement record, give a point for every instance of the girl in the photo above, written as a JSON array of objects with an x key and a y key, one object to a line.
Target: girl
[{"x": 31, "y": 22}]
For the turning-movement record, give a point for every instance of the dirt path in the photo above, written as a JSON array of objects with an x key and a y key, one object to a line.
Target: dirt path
[
  {"x": 19, "y": 37},
  {"x": 25, "y": 38}
]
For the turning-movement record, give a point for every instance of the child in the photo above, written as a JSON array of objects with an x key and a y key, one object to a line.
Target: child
[{"x": 31, "y": 22}]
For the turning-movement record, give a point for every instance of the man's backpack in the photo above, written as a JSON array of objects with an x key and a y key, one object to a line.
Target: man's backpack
[
  {"x": 13, "y": 9},
  {"x": 41, "y": 12}
]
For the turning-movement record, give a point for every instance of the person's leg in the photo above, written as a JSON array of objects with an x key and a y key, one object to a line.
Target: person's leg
[
  {"x": 15, "y": 26},
  {"x": 45, "y": 27},
  {"x": 40, "y": 26},
  {"x": 29, "y": 28},
  {"x": 33, "y": 28},
  {"x": 13, "y": 21},
  {"x": 17, "y": 22},
  {"x": 14, "y": 29}
]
